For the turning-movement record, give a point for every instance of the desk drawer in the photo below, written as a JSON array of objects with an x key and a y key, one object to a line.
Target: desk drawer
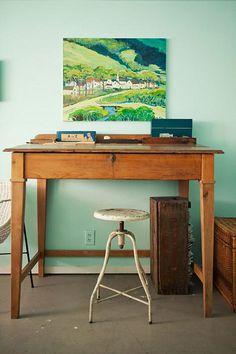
[
  {"x": 157, "y": 166},
  {"x": 113, "y": 166},
  {"x": 67, "y": 165}
]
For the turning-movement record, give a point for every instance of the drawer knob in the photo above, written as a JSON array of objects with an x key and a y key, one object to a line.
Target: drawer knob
[{"x": 113, "y": 157}]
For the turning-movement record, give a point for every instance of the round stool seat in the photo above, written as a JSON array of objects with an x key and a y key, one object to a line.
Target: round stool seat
[{"x": 121, "y": 214}]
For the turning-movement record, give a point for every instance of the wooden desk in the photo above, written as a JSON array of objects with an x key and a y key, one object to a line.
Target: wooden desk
[{"x": 108, "y": 161}]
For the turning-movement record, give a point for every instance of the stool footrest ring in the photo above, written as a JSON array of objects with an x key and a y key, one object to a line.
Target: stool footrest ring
[{"x": 123, "y": 293}]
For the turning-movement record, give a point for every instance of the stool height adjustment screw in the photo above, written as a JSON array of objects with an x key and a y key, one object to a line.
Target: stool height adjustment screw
[{"x": 121, "y": 238}]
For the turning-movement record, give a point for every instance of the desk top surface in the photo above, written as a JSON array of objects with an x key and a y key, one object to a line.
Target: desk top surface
[{"x": 114, "y": 148}]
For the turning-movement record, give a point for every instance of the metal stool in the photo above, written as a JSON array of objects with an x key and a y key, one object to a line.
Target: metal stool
[{"x": 121, "y": 215}]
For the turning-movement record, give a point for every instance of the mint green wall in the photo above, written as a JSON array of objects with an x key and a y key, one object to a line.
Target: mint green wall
[{"x": 201, "y": 85}]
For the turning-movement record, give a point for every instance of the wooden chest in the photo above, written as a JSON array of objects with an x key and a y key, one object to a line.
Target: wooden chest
[
  {"x": 225, "y": 258},
  {"x": 169, "y": 244}
]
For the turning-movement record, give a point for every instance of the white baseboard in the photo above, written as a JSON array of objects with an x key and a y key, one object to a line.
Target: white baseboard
[{"x": 82, "y": 269}]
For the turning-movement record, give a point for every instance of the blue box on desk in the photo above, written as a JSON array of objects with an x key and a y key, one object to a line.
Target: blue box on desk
[{"x": 171, "y": 127}]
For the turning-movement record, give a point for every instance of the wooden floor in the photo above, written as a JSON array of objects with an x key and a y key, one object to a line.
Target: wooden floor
[{"x": 55, "y": 320}]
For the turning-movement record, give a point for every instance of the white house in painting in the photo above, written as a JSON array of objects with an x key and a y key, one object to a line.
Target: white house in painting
[
  {"x": 91, "y": 84},
  {"x": 124, "y": 84},
  {"x": 71, "y": 83}
]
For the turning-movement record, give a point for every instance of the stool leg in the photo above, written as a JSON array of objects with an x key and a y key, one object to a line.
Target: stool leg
[
  {"x": 98, "y": 293},
  {"x": 99, "y": 280},
  {"x": 141, "y": 273},
  {"x": 140, "y": 266}
]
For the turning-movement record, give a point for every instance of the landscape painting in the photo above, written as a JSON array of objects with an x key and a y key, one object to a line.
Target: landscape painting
[{"x": 114, "y": 79}]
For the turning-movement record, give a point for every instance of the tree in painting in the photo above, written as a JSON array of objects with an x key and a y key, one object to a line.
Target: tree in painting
[{"x": 114, "y": 79}]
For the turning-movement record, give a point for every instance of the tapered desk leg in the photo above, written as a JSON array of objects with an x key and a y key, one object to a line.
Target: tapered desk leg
[
  {"x": 184, "y": 189},
  {"x": 17, "y": 227},
  {"x": 42, "y": 198},
  {"x": 207, "y": 231}
]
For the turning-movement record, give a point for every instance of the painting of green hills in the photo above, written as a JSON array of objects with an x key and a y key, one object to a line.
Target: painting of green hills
[{"x": 114, "y": 79}]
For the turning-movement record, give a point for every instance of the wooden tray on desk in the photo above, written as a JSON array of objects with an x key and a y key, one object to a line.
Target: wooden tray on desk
[{"x": 121, "y": 139}]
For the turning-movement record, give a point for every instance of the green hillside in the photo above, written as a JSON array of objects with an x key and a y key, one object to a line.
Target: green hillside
[
  {"x": 159, "y": 43},
  {"x": 75, "y": 53}
]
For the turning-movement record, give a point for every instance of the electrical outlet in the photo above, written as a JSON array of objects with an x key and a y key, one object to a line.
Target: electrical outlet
[{"x": 90, "y": 237}]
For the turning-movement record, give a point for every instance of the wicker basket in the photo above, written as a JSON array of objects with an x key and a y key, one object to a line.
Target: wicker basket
[
  {"x": 225, "y": 258},
  {"x": 5, "y": 210}
]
